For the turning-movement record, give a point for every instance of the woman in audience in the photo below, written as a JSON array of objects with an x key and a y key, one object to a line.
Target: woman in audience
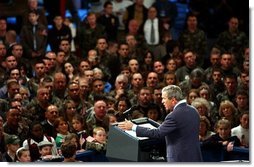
[
  {"x": 227, "y": 110},
  {"x": 204, "y": 129}
]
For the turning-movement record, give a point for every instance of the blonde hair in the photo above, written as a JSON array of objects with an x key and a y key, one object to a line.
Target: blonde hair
[
  {"x": 224, "y": 122},
  {"x": 199, "y": 101},
  {"x": 226, "y": 103},
  {"x": 96, "y": 129}
]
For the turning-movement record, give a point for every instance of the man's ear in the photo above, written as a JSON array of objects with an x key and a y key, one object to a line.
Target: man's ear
[{"x": 174, "y": 100}]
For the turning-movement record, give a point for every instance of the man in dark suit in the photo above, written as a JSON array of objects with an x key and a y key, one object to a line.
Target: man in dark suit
[{"x": 180, "y": 128}]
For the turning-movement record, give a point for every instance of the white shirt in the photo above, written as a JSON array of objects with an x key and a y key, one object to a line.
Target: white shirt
[
  {"x": 73, "y": 34},
  {"x": 239, "y": 131},
  {"x": 147, "y": 31}
]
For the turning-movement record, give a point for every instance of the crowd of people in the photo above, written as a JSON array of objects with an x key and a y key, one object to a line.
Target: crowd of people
[{"x": 61, "y": 101}]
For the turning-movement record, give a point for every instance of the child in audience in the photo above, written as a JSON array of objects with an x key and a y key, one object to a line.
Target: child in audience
[
  {"x": 222, "y": 140},
  {"x": 62, "y": 128},
  {"x": 98, "y": 141},
  {"x": 112, "y": 118},
  {"x": 23, "y": 155},
  {"x": 68, "y": 150},
  {"x": 45, "y": 150},
  {"x": 79, "y": 129},
  {"x": 73, "y": 138}
]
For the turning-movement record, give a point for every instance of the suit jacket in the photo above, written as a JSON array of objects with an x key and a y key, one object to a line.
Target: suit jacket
[{"x": 181, "y": 130}]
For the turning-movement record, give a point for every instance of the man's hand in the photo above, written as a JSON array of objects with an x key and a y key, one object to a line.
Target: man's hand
[
  {"x": 126, "y": 125},
  {"x": 230, "y": 146}
]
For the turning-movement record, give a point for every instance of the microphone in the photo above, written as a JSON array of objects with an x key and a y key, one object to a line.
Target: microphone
[{"x": 128, "y": 111}]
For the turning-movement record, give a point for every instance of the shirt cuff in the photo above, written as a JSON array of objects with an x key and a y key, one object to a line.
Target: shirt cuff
[{"x": 134, "y": 127}]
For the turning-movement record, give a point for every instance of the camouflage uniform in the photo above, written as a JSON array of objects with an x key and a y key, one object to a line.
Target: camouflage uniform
[
  {"x": 133, "y": 96},
  {"x": 22, "y": 131},
  {"x": 195, "y": 41},
  {"x": 103, "y": 64},
  {"x": 88, "y": 37},
  {"x": 33, "y": 85},
  {"x": 36, "y": 113},
  {"x": 233, "y": 43},
  {"x": 100, "y": 147},
  {"x": 81, "y": 105},
  {"x": 92, "y": 96},
  {"x": 91, "y": 122}
]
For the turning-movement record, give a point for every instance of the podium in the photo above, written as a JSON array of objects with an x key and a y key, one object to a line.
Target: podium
[{"x": 125, "y": 146}]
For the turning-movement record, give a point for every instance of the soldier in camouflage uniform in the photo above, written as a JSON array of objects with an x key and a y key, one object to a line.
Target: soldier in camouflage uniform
[
  {"x": 144, "y": 99},
  {"x": 69, "y": 56},
  {"x": 38, "y": 106},
  {"x": 104, "y": 57},
  {"x": 194, "y": 39},
  {"x": 33, "y": 83},
  {"x": 74, "y": 95},
  {"x": 14, "y": 126},
  {"x": 98, "y": 86},
  {"x": 47, "y": 82},
  {"x": 89, "y": 32},
  {"x": 215, "y": 56},
  {"x": 59, "y": 85},
  {"x": 97, "y": 117},
  {"x": 233, "y": 40},
  {"x": 227, "y": 64},
  {"x": 137, "y": 82},
  {"x": 194, "y": 82},
  {"x": 190, "y": 60}
]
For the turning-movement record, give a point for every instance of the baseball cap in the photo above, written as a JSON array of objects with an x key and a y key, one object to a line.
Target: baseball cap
[
  {"x": 12, "y": 139},
  {"x": 44, "y": 143}
]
